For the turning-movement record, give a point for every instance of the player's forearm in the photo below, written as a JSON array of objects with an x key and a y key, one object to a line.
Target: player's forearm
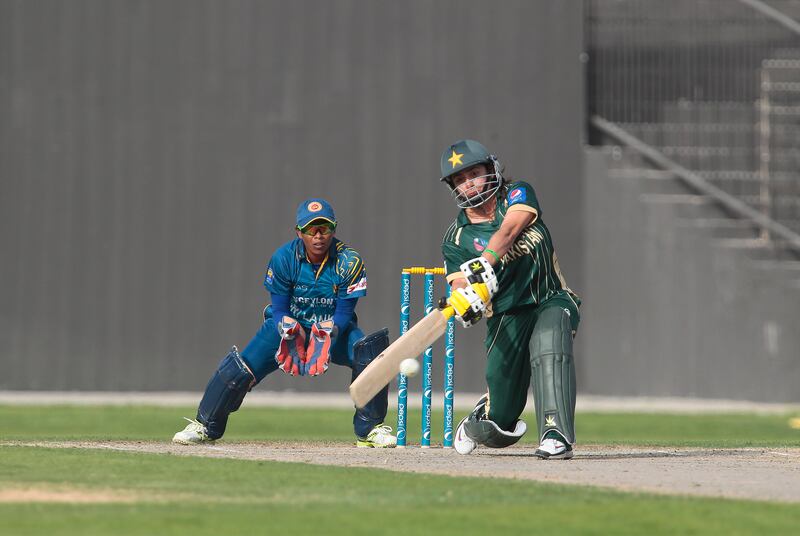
[
  {"x": 500, "y": 243},
  {"x": 503, "y": 239},
  {"x": 458, "y": 283},
  {"x": 345, "y": 309},
  {"x": 280, "y": 306}
]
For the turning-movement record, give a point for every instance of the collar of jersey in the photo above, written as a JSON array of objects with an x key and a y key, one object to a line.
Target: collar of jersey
[
  {"x": 463, "y": 220},
  {"x": 304, "y": 257}
]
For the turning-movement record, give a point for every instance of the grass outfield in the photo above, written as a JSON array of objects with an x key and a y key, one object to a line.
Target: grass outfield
[
  {"x": 162, "y": 494},
  {"x": 275, "y": 424}
]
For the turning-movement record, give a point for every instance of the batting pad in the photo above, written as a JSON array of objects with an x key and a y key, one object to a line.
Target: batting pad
[{"x": 553, "y": 371}]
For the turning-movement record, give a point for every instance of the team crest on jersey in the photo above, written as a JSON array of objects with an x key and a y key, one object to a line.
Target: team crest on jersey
[
  {"x": 360, "y": 285},
  {"x": 269, "y": 275},
  {"x": 479, "y": 243},
  {"x": 314, "y": 206},
  {"x": 517, "y": 195}
]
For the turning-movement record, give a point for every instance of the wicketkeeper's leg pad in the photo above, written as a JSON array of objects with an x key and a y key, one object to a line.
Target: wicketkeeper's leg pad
[
  {"x": 365, "y": 350},
  {"x": 224, "y": 393},
  {"x": 553, "y": 371}
]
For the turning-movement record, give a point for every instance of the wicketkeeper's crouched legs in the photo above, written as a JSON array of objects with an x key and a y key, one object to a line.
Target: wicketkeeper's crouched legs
[
  {"x": 553, "y": 371},
  {"x": 365, "y": 350},
  {"x": 224, "y": 393},
  {"x": 236, "y": 375}
]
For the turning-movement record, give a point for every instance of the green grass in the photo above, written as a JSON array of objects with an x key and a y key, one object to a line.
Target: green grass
[
  {"x": 273, "y": 424},
  {"x": 181, "y": 495},
  {"x": 204, "y": 496}
]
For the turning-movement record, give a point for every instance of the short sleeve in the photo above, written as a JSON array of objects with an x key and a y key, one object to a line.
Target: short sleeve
[
  {"x": 352, "y": 275},
  {"x": 521, "y": 196},
  {"x": 454, "y": 257},
  {"x": 278, "y": 279}
]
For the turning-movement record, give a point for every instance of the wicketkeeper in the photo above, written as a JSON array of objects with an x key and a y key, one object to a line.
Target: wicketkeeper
[
  {"x": 314, "y": 282},
  {"x": 500, "y": 262}
]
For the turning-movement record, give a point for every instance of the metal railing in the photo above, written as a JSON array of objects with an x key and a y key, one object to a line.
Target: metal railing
[
  {"x": 699, "y": 184},
  {"x": 712, "y": 85}
]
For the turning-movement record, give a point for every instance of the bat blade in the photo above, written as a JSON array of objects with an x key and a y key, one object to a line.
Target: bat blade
[{"x": 386, "y": 366}]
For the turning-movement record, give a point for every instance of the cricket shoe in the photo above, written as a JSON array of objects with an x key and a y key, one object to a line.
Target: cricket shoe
[
  {"x": 194, "y": 433},
  {"x": 554, "y": 447},
  {"x": 462, "y": 443},
  {"x": 379, "y": 437}
]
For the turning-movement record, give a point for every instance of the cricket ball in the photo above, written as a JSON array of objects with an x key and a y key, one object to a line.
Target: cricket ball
[{"x": 409, "y": 367}]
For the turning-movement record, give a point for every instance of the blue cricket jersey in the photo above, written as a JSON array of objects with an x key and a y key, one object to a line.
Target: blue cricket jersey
[{"x": 314, "y": 288}]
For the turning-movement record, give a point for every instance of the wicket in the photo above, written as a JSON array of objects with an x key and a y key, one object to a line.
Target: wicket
[{"x": 427, "y": 363}]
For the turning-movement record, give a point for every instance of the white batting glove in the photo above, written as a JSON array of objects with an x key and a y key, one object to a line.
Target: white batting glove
[
  {"x": 468, "y": 304},
  {"x": 478, "y": 270}
]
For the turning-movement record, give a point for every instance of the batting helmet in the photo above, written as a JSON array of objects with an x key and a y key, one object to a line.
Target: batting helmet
[{"x": 463, "y": 155}]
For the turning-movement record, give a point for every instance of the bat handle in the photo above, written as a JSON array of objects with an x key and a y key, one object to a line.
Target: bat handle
[{"x": 447, "y": 311}]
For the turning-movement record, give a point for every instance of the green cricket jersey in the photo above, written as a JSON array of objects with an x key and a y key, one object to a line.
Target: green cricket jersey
[{"x": 528, "y": 274}]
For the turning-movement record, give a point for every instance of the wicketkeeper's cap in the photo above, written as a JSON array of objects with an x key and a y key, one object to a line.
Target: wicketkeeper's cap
[{"x": 314, "y": 209}]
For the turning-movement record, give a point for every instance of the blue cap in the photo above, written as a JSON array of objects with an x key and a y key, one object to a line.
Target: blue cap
[{"x": 314, "y": 209}]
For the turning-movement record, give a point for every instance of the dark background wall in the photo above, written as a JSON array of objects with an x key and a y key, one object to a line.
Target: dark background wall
[
  {"x": 673, "y": 307},
  {"x": 152, "y": 155}
]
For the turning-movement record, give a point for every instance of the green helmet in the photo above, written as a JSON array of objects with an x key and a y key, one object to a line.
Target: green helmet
[{"x": 463, "y": 155}]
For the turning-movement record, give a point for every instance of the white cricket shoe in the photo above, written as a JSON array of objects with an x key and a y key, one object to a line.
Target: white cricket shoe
[
  {"x": 462, "y": 443},
  {"x": 553, "y": 448},
  {"x": 379, "y": 437},
  {"x": 194, "y": 433}
]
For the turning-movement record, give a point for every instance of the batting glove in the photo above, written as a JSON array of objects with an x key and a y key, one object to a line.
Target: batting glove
[
  {"x": 469, "y": 303},
  {"x": 478, "y": 270},
  {"x": 291, "y": 354}
]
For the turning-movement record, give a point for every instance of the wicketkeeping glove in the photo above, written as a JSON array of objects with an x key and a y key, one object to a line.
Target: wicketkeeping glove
[
  {"x": 469, "y": 303},
  {"x": 478, "y": 270},
  {"x": 291, "y": 354},
  {"x": 319, "y": 348}
]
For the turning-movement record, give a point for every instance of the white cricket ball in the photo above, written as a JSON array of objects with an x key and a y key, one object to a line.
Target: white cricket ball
[{"x": 409, "y": 367}]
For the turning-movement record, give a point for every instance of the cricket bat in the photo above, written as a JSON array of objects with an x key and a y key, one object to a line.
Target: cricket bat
[{"x": 387, "y": 365}]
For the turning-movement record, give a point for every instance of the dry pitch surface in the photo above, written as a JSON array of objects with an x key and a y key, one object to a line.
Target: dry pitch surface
[{"x": 755, "y": 474}]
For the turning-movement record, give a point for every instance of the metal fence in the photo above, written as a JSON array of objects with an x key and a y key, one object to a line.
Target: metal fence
[{"x": 712, "y": 84}]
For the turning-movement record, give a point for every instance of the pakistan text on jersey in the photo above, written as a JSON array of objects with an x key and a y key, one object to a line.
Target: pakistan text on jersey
[{"x": 524, "y": 245}]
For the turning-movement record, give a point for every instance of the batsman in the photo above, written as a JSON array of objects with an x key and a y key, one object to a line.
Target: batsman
[
  {"x": 500, "y": 263},
  {"x": 315, "y": 282}
]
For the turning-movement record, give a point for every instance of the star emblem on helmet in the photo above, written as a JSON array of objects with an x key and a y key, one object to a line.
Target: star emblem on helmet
[{"x": 455, "y": 159}]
